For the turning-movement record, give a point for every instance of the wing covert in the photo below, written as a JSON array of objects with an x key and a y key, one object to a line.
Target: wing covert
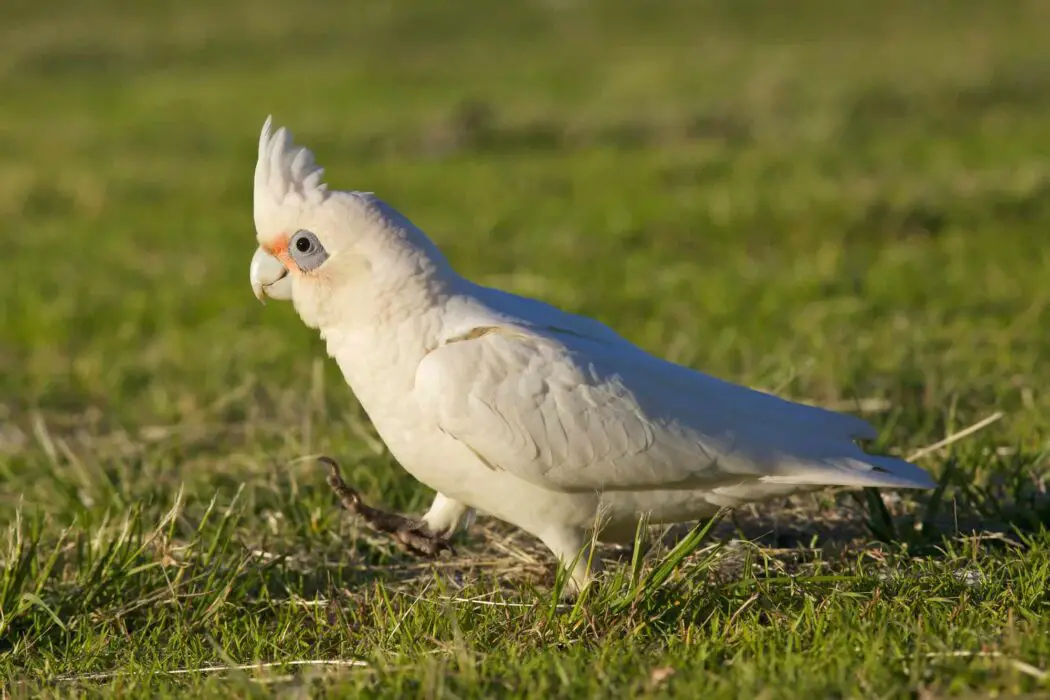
[{"x": 573, "y": 412}]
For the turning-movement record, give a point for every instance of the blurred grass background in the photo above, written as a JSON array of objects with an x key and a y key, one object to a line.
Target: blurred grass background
[{"x": 843, "y": 202}]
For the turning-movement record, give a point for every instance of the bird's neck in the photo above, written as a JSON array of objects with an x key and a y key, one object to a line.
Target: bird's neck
[
  {"x": 384, "y": 321},
  {"x": 390, "y": 305},
  {"x": 382, "y": 338}
]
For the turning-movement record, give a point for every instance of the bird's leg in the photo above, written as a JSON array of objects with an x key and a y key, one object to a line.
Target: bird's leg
[
  {"x": 446, "y": 516},
  {"x": 572, "y": 547},
  {"x": 412, "y": 535}
]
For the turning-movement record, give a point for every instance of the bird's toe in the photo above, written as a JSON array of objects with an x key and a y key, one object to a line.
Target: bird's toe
[{"x": 418, "y": 538}]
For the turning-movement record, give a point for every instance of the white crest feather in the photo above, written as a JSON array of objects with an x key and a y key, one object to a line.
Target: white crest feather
[{"x": 284, "y": 172}]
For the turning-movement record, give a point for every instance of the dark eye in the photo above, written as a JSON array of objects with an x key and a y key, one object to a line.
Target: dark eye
[{"x": 307, "y": 251}]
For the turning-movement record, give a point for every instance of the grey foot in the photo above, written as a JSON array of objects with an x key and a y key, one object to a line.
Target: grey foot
[{"x": 411, "y": 535}]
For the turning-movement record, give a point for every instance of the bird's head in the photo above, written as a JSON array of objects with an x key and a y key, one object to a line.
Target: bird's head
[
  {"x": 321, "y": 248},
  {"x": 296, "y": 227}
]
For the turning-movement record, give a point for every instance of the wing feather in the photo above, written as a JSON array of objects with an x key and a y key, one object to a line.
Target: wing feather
[{"x": 574, "y": 412}]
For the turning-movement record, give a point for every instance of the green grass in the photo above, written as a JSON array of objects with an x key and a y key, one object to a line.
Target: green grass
[{"x": 843, "y": 202}]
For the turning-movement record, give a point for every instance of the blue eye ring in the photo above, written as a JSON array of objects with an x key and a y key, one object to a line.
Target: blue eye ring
[{"x": 306, "y": 250}]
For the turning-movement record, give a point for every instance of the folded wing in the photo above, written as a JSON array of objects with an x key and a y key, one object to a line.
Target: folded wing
[{"x": 576, "y": 412}]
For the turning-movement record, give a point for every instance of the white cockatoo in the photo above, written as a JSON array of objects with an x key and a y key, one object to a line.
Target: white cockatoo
[{"x": 547, "y": 420}]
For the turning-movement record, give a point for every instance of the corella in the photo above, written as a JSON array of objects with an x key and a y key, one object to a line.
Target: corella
[{"x": 506, "y": 405}]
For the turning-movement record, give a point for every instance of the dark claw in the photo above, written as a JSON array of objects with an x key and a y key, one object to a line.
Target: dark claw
[{"x": 411, "y": 535}]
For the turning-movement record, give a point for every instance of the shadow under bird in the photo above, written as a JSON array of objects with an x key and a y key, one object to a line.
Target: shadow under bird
[{"x": 544, "y": 419}]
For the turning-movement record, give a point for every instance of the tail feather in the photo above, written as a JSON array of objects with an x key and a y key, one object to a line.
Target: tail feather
[{"x": 871, "y": 470}]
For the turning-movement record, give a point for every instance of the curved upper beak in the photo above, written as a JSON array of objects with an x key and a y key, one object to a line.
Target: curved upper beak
[{"x": 269, "y": 277}]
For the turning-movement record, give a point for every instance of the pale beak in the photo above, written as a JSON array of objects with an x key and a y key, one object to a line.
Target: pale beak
[{"x": 269, "y": 277}]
